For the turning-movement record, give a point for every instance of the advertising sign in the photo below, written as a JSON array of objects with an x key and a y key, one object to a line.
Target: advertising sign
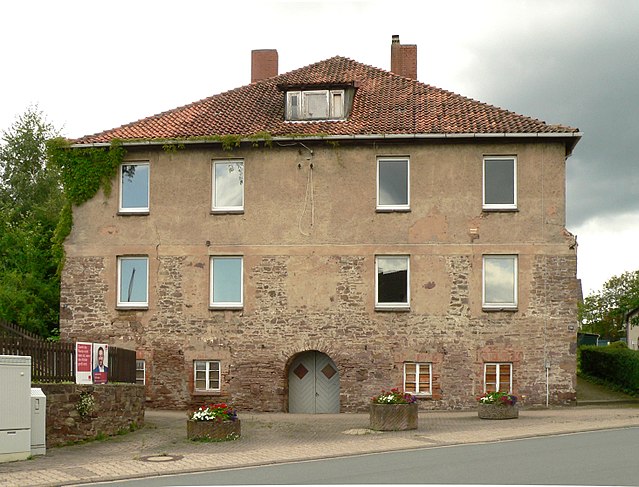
[
  {"x": 100, "y": 363},
  {"x": 83, "y": 362}
]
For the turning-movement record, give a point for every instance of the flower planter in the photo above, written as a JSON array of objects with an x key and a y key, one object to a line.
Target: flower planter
[
  {"x": 393, "y": 417},
  {"x": 497, "y": 411},
  {"x": 213, "y": 430}
]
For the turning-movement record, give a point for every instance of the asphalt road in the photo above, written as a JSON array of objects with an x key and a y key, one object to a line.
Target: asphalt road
[{"x": 593, "y": 458}]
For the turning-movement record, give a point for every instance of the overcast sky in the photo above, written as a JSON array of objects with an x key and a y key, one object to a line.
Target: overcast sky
[{"x": 94, "y": 65}]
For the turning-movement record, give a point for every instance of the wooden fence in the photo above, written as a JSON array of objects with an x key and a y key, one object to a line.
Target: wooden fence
[
  {"x": 50, "y": 361},
  {"x": 54, "y": 361},
  {"x": 10, "y": 329}
]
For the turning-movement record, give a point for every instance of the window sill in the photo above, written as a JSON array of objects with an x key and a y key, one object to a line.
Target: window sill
[
  {"x": 226, "y": 308},
  {"x": 507, "y": 309},
  {"x": 227, "y": 212},
  {"x": 423, "y": 396},
  {"x": 500, "y": 210},
  {"x": 392, "y": 210},
  {"x": 133, "y": 213},
  {"x": 132, "y": 308},
  {"x": 401, "y": 309},
  {"x": 315, "y": 120},
  {"x": 207, "y": 393}
]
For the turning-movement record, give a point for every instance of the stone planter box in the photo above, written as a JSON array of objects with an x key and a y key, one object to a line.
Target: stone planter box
[
  {"x": 497, "y": 411},
  {"x": 212, "y": 430},
  {"x": 393, "y": 417}
]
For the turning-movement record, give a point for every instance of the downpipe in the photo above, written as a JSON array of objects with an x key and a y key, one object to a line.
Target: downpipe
[{"x": 547, "y": 383}]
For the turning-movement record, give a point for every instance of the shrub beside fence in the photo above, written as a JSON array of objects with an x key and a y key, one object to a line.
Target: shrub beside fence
[
  {"x": 617, "y": 365},
  {"x": 54, "y": 361}
]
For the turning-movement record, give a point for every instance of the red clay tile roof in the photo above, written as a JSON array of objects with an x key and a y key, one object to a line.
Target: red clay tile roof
[{"x": 384, "y": 103}]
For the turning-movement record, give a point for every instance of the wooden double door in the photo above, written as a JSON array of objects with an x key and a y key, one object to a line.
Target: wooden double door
[{"x": 313, "y": 384}]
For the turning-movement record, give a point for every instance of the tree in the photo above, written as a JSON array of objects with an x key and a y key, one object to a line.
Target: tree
[
  {"x": 30, "y": 202},
  {"x": 603, "y": 312}
]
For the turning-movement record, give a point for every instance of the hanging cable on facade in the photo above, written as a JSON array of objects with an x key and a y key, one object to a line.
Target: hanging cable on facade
[{"x": 309, "y": 197}]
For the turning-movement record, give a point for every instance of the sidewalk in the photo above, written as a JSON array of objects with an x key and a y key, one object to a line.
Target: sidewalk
[{"x": 161, "y": 446}]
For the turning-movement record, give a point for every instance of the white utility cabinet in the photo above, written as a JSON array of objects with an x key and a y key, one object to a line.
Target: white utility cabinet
[
  {"x": 15, "y": 410},
  {"x": 38, "y": 422}
]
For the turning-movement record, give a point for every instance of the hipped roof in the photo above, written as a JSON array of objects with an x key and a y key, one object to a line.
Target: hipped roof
[{"x": 384, "y": 105}]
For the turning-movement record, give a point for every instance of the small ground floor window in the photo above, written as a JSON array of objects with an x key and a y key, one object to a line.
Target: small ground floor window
[
  {"x": 498, "y": 377},
  {"x": 206, "y": 375},
  {"x": 418, "y": 378},
  {"x": 140, "y": 371}
]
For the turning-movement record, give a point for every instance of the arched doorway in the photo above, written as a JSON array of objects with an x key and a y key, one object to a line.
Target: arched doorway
[{"x": 313, "y": 384}]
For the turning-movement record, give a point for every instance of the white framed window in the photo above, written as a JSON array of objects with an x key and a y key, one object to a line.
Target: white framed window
[
  {"x": 500, "y": 183},
  {"x": 499, "y": 281},
  {"x": 206, "y": 375},
  {"x": 227, "y": 282},
  {"x": 337, "y": 104},
  {"x": 393, "y": 184},
  {"x": 134, "y": 187},
  {"x": 293, "y": 105},
  {"x": 133, "y": 282},
  {"x": 315, "y": 105},
  {"x": 418, "y": 378},
  {"x": 228, "y": 186},
  {"x": 498, "y": 377},
  {"x": 140, "y": 371},
  {"x": 392, "y": 281}
]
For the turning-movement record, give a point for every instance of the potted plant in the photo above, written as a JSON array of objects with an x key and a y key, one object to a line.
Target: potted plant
[
  {"x": 393, "y": 411},
  {"x": 215, "y": 422},
  {"x": 497, "y": 405}
]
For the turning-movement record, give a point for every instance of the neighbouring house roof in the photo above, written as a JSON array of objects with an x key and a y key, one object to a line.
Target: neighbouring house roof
[
  {"x": 384, "y": 104},
  {"x": 631, "y": 314}
]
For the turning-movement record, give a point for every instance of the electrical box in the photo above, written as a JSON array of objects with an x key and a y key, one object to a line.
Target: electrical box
[
  {"x": 15, "y": 415},
  {"x": 38, "y": 422}
]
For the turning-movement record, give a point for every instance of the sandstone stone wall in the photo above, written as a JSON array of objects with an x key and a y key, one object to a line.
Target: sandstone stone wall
[
  {"x": 368, "y": 348},
  {"x": 309, "y": 276},
  {"x": 117, "y": 407}
]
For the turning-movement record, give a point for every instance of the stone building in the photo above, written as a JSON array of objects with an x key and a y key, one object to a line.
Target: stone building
[{"x": 302, "y": 242}]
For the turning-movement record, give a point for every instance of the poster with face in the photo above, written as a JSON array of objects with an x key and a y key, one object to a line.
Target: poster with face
[
  {"x": 100, "y": 363},
  {"x": 83, "y": 363}
]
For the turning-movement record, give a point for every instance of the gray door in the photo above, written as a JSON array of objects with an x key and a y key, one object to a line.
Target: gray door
[{"x": 313, "y": 384}]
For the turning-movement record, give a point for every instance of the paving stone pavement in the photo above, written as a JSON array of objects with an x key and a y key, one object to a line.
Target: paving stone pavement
[{"x": 161, "y": 446}]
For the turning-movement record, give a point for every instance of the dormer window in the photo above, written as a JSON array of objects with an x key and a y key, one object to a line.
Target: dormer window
[{"x": 315, "y": 105}]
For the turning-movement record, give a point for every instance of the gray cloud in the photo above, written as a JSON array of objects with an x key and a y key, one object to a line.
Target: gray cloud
[{"x": 582, "y": 71}]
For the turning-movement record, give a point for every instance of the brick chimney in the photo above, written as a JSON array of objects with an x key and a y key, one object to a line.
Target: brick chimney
[
  {"x": 403, "y": 58},
  {"x": 263, "y": 64}
]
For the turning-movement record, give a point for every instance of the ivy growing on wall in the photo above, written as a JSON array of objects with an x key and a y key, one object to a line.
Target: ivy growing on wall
[{"x": 83, "y": 171}]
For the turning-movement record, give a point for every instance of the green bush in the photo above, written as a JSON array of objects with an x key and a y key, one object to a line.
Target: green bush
[{"x": 616, "y": 365}]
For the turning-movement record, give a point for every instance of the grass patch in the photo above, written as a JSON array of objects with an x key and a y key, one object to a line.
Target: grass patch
[{"x": 609, "y": 385}]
